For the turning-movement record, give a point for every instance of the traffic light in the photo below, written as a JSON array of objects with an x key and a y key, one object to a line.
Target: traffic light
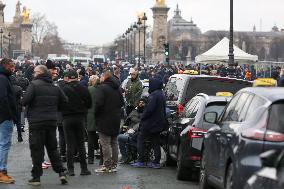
[
  {"x": 166, "y": 49},
  {"x": 167, "y": 52}
]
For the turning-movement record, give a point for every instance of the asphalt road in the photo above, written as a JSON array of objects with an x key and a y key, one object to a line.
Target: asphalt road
[{"x": 127, "y": 177}]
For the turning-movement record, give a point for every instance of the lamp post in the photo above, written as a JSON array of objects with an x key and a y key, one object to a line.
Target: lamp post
[
  {"x": 9, "y": 48},
  {"x": 123, "y": 45},
  {"x": 144, "y": 18},
  {"x": 1, "y": 32},
  {"x": 134, "y": 41},
  {"x": 130, "y": 42},
  {"x": 231, "y": 55},
  {"x": 139, "y": 24}
]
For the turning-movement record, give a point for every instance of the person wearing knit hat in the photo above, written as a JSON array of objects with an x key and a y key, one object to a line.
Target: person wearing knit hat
[{"x": 52, "y": 69}]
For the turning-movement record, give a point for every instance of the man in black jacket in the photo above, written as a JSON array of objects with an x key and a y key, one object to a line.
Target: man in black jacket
[
  {"x": 43, "y": 101},
  {"x": 108, "y": 104},
  {"x": 74, "y": 114},
  {"x": 153, "y": 122},
  {"x": 8, "y": 114}
]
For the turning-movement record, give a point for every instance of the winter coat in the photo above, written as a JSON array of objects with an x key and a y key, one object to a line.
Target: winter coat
[
  {"x": 134, "y": 91},
  {"x": 79, "y": 100},
  {"x": 91, "y": 122},
  {"x": 43, "y": 100},
  {"x": 153, "y": 120},
  {"x": 8, "y": 108},
  {"x": 108, "y": 103}
]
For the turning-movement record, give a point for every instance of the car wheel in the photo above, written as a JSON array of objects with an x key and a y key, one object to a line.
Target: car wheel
[
  {"x": 183, "y": 173},
  {"x": 203, "y": 177},
  {"x": 229, "y": 177}
]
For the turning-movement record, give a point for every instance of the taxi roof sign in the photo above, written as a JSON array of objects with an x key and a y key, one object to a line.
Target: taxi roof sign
[
  {"x": 264, "y": 82},
  {"x": 191, "y": 72},
  {"x": 226, "y": 94}
]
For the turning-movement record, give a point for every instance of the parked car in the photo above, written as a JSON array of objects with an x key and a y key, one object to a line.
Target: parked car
[
  {"x": 272, "y": 173},
  {"x": 183, "y": 87},
  {"x": 185, "y": 135},
  {"x": 251, "y": 124}
]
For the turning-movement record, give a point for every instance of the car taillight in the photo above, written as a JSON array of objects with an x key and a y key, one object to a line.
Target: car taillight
[
  {"x": 264, "y": 135},
  {"x": 196, "y": 133},
  {"x": 179, "y": 108}
]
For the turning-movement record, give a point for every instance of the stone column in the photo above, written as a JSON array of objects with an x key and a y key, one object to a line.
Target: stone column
[
  {"x": 26, "y": 37},
  {"x": 2, "y": 7},
  {"x": 159, "y": 35}
]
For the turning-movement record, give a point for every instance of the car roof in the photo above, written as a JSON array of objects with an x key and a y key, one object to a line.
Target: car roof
[
  {"x": 187, "y": 76},
  {"x": 270, "y": 93},
  {"x": 210, "y": 99}
]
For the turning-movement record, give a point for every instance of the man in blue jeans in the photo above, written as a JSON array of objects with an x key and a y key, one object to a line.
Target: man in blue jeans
[{"x": 8, "y": 115}]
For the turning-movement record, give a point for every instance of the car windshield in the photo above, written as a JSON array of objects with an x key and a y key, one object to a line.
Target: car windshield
[
  {"x": 173, "y": 88},
  {"x": 276, "y": 119}
]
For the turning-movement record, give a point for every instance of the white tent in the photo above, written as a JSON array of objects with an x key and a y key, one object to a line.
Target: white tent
[{"x": 219, "y": 53}]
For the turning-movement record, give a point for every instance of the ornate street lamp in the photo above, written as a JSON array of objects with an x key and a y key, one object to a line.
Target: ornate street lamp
[
  {"x": 124, "y": 49},
  {"x": 231, "y": 55},
  {"x": 134, "y": 41},
  {"x": 9, "y": 48},
  {"x": 130, "y": 42},
  {"x": 1, "y": 33},
  {"x": 144, "y": 18},
  {"x": 139, "y": 24}
]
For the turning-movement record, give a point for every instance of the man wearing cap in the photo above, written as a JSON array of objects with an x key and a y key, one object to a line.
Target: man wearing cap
[
  {"x": 43, "y": 101},
  {"x": 133, "y": 91},
  {"x": 74, "y": 114}
]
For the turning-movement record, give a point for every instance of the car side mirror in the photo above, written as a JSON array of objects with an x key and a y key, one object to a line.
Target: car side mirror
[
  {"x": 269, "y": 158},
  {"x": 211, "y": 117}
]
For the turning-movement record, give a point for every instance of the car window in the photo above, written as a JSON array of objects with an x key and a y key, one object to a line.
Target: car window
[
  {"x": 230, "y": 108},
  {"x": 173, "y": 88},
  {"x": 245, "y": 108},
  {"x": 213, "y": 107},
  {"x": 256, "y": 102},
  {"x": 189, "y": 107},
  {"x": 276, "y": 118},
  {"x": 195, "y": 110}
]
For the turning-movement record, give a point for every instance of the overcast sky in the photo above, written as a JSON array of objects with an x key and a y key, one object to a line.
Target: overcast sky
[{"x": 100, "y": 21}]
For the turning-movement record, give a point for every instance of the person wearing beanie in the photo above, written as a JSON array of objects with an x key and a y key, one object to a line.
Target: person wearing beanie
[{"x": 74, "y": 115}]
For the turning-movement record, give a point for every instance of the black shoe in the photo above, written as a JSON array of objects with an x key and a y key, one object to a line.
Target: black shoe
[
  {"x": 34, "y": 182},
  {"x": 63, "y": 178},
  {"x": 85, "y": 172},
  {"x": 90, "y": 161},
  {"x": 20, "y": 139},
  {"x": 71, "y": 173}
]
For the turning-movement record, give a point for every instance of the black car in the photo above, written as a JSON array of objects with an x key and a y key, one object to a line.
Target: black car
[
  {"x": 182, "y": 87},
  {"x": 185, "y": 135},
  {"x": 251, "y": 124},
  {"x": 271, "y": 175}
]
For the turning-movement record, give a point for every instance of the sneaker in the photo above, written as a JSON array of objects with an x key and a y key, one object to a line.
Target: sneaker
[
  {"x": 71, "y": 172},
  {"x": 103, "y": 169},
  {"x": 5, "y": 178},
  {"x": 154, "y": 165},
  {"x": 63, "y": 178},
  {"x": 85, "y": 172},
  {"x": 139, "y": 165},
  {"x": 34, "y": 182}
]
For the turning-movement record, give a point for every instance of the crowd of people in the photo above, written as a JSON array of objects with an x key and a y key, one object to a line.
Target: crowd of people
[{"x": 87, "y": 104}]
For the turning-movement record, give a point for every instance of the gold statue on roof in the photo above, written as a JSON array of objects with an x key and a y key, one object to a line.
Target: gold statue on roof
[
  {"x": 160, "y": 2},
  {"x": 26, "y": 15}
]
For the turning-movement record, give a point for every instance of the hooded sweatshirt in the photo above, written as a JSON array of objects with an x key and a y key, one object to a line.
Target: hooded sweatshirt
[{"x": 108, "y": 103}]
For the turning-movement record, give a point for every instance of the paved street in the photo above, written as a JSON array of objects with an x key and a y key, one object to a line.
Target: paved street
[{"x": 20, "y": 166}]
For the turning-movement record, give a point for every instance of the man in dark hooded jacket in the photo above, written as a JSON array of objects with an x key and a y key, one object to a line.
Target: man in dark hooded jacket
[
  {"x": 108, "y": 104},
  {"x": 43, "y": 100},
  {"x": 153, "y": 122},
  {"x": 8, "y": 112}
]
